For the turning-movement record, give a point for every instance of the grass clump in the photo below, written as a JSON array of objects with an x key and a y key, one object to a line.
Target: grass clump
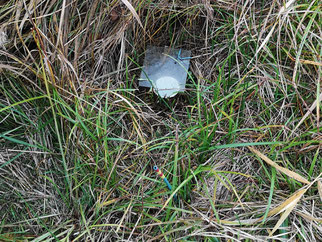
[{"x": 79, "y": 139}]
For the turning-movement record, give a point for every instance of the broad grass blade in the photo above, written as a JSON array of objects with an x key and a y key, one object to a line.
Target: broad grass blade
[
  {"x": 280, "y": 168},
  {"x": 287, "y": 207},
  {"x": 130, "y": 7},
  {"x": 281, "y": 220}
]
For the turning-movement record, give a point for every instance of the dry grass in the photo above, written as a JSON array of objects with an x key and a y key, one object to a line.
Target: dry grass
[{"x": 79, "y": 138}]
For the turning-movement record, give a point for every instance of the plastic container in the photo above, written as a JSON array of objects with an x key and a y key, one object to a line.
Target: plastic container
[{"x": 165, "y": 70}]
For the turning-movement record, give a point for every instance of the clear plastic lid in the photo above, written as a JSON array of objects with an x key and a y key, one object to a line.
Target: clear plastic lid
[{"x": 165, "y": 69}]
